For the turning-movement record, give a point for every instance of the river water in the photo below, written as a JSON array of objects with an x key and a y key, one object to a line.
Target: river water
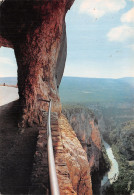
[{"x": 112, "y": 175}]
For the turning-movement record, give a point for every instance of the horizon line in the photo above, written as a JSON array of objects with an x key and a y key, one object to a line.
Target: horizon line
[{"x": 79, "y": 77}]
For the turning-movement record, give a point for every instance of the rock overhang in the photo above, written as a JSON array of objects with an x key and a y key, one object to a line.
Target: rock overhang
[
  {"x": 17, "y": 17},
  {"x": 36, "y": 30}
]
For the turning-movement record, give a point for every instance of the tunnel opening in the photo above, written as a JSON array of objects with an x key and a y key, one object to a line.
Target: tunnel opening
[
  {"x": 8, "y": 66},
  {"x": 18, "y": 148}
]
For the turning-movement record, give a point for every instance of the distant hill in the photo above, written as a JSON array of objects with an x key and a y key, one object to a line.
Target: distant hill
[
  {"x": 8, "y": 80},
  {"x": 129, "y": 80},
  {"x": 91, "y": 90},
  {"x": 86, "y": 90}
]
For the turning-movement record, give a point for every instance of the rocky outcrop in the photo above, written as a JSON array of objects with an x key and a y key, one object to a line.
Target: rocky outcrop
[
  {"x": 36, "y": 31},
  {"x": 85, "y": 126},
  {"x": 71, "y": 161},
  {"x": 76, "y": 159},
  {"x": 18, "y": 149},
  {"x": 40, "y": 175}
]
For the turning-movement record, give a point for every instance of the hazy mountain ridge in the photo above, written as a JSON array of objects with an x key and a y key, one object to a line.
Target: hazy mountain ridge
[
  {"x": 8, "y": 80},
  {"x": 88, "y": 85},
  {"x": 85, "y": 90},
  {"x": 129, "y": 80}
]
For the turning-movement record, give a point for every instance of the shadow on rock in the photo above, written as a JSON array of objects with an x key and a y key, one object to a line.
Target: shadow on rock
[{"x": 16, "y": 151}]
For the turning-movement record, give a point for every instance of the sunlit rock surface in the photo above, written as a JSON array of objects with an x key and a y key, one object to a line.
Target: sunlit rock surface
[
  {"x": 36, "y": 30},
  {"x": 18, "y": 152},
  {"x": 76, "y": 159},
  {"x": 85, "y": 126}
]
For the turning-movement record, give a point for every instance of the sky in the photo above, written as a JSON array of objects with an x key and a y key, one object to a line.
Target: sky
[{"x": 100, "y": 39}]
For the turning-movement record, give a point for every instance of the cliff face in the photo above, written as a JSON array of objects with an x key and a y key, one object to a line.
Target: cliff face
[
  {"x": 19, "y": 151},
  {"x": 71, "y": 161},
  {"x": 37, "y": 33},
  {"x": 36, "y": 30},
  {"x": 85, "y": 126},
  {"x": 76, "y": 159}
]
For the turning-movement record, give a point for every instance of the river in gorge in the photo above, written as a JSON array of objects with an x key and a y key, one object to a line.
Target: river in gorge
[{"x": 112, "y": 175}]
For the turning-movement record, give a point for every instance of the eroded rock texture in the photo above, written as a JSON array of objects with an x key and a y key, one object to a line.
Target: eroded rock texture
[
  {"x": 36, "y": 31},
  {"x": 85, "y": 126},
  {"x": 72, "y": 167},
  {"x": 76, "y": 159}
]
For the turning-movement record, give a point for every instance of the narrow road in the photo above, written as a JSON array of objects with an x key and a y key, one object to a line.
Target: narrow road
[{"x": 8, "y": 94}]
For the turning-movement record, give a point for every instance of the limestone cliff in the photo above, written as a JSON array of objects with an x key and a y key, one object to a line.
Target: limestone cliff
[
  {"x": 36, "y": 30},
  {"x": 37, "y": 33},
  {"x": 85, "y": 126},
  {"x": 18, "y": 150},
  {"x": 76, "y": 159},
  {"x": 71, "y": 161}
]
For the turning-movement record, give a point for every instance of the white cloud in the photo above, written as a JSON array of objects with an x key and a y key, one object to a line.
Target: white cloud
[
  {"x": 4, "y": 60},
  {"x": 98, "y": 8},
  {"x": 121, "y": 33},
  {"x": 128, "y": 16}
]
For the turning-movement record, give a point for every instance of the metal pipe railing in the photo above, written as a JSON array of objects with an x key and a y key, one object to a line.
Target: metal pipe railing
[{"x": 51, "y": 163}]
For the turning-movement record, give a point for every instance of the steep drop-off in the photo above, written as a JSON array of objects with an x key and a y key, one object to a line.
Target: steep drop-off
[
  {"x": 76, "y": 159},
  {"x": 19, "y": 151},
  {"x": 121, "y": 139},
  {"x": 36, "y": 31},
  {"x": 85, "y": 126}
]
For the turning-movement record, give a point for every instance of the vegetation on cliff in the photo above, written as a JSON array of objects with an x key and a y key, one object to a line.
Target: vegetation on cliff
[
  {"x": 125, "y": 183},
  {"x": 85, "y": 125},
  {"x": 122, "y": 140}
]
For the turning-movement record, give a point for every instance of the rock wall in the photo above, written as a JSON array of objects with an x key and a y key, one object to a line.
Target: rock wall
[
  {"x": 85, "y": 126},
  {"x": 71, "y": 161},
  {"x": 76, "y": 159},
  {"x": 36, "y": 30}
]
